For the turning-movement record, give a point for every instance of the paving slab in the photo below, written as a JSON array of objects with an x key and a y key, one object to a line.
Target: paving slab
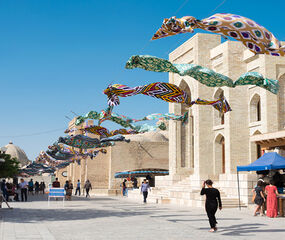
[{"x": 121, "y": 218}]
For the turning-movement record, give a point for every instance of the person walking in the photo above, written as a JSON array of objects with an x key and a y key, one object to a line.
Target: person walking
[
  {"x": 213, "y": 201},
  {"x": 43, "y": 187},
  {"x": 77, "y": 188},
  {"x": 66, "y": 188},
  {"x": 31, "y": 187},
  {"x": 272, "y": 193},
  {"x": 24, "y": 189},
  {"x": 56, "y": 183},
  {"x": 4, "y": 189},
  {"x": 144, "y": 190},
  {"x": 259, "y": 198},
  {"x": 87, "y": 187},
  {"x": 37, "y": 187}
]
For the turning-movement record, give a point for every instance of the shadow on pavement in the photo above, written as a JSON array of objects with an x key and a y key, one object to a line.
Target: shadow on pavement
[
  {"x": 244, "y": 229},
  {"x": 28, "y": 215}
]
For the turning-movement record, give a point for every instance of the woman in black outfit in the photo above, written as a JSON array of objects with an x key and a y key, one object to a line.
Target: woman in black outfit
[{"x": 213, "y": 200}]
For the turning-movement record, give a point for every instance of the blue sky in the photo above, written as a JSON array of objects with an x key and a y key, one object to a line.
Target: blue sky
[{"x": 57, "y": 56}]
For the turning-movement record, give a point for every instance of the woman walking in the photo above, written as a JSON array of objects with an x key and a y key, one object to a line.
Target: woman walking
[
  {"x": 259, "y": 199},
  {"x": 272, "y": 193},
  {"x": 87, "y": 187},
  {"x": 213, "y": 200}
]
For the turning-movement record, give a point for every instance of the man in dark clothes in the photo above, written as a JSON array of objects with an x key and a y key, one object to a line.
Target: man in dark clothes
[{"x": 213, "y": 200}]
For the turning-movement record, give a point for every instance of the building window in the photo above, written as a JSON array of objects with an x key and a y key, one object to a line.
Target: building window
[
  {"x": 220, "y": 155},
  {"x": 255, "y": 109},
  {"x": 258, "y": 111}
]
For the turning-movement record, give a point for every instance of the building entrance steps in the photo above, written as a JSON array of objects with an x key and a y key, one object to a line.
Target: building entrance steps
[{"x": 182, "y": 193}]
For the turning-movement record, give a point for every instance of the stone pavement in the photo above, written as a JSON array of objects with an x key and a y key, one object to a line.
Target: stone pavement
[{"x": 121, "y": 218}]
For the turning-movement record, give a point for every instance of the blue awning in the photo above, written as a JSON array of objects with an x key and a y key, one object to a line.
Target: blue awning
[{"x": 268, "y": 161}]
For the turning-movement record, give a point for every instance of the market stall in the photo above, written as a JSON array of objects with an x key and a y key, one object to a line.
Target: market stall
[{"x": 269, "y": 161}]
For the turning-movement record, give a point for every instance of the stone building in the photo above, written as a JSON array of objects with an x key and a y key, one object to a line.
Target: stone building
[
  {"x": 210, "y": 145},
  {"x": 148, "y": 150}
]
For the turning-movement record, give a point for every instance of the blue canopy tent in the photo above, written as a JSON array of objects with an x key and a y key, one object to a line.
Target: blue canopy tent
[{"x": 269, "y": 161}]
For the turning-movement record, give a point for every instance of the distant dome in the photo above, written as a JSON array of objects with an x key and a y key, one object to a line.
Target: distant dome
[
  {"x": 148, "y": 137},
  {"x": 18, "y": 153}
]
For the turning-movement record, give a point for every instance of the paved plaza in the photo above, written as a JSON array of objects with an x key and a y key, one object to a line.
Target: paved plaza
[{"x": 121, "y": 218}]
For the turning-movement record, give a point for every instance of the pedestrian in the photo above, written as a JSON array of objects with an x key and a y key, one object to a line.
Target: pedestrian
[
  {"x": 37, "y": 187},
  {"x": 31, "y": 187},
  {"x": 87, "y": 187},
  {"x": 272, "y": 193},
  {"x": 124, "y": 187},
  {"x": 14, "y": 192},
  {"x": 67, "y": 190},
  {"x": 259, "y": 198},
  {"x": 70, "y": 188},
  {"x": 43, "y": 187},
  {"x": 56, "y": 183},
  {"x": 135, "y": 183},
  {"x": 213, "y": 200},
  {"x": 144, "y": 190},
  {"x": 4, "y": 189},
  {"x": 77, "y": 187},
  {"x": 24, "y": 189}
]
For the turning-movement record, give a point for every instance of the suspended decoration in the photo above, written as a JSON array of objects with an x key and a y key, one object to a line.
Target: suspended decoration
[
  {"x": 104, "y": 132},
  {"x": 126, "y": 122},
  {"x": 165, "y": 91},
  {"x": 84, "y": 142},
  {"x": 254, "y": 36},
  {"x": 204, "y": 75},
  {"x": 221, "y": 104}
]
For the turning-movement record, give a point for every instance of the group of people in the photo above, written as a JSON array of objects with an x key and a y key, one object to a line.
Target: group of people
[
  {"x": 23, "y": 188},
  {"x": 145, "y": 187},
  {"x": 265, "y": 197},
  {"x": 68, "y": 187},
  {"x": 36, "y": 187}
]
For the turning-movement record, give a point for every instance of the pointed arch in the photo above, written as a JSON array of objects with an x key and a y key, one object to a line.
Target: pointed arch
[
  {"x": 255, "y": 108},
  {"x": 219, "y": 155}
]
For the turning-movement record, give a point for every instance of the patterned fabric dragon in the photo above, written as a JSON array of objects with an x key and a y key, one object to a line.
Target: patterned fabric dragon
[
  {"x": 84, "y": 142},
  {"x": 204, "y": 75},
  {"x": 254, "y": 36},
  {"x": 165, "y": 91}
]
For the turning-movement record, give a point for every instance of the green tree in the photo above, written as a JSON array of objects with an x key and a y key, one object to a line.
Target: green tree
[{"x": 10, "y": 167}]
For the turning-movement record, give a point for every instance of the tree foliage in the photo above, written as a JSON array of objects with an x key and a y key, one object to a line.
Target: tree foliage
[{"x": 10, "y": 167}]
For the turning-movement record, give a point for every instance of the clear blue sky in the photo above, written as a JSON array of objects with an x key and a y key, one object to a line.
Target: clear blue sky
[{"x": 57, "y": 56}]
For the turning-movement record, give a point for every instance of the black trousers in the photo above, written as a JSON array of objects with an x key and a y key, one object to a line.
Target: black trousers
[
  {"x": 145, "y": 196},
  {"x": 24, "y": 194},
  {"x": 211, "y": 209},
  {"x": 87, "y": 192}
]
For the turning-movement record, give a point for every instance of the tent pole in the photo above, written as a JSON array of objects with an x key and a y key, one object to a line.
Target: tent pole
[{"x": 238, "y": 191}]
